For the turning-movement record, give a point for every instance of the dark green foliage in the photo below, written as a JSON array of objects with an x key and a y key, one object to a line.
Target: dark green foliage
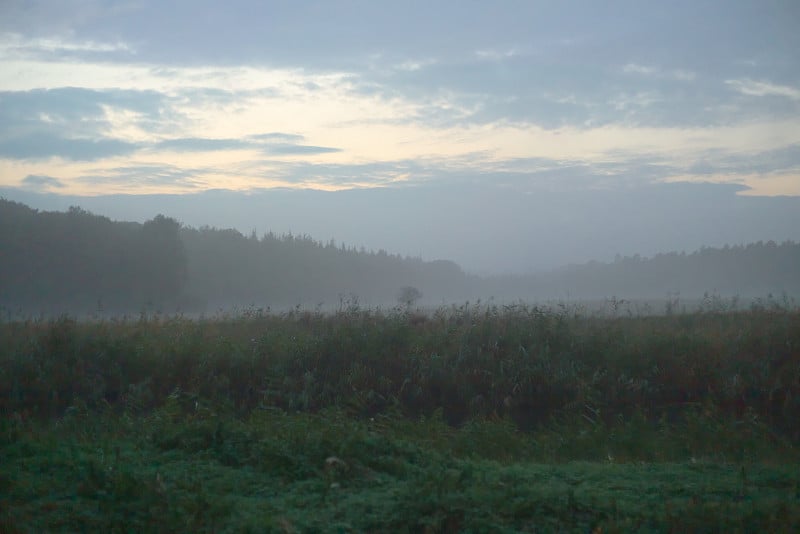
[
  {"x": 53, "y": 262},
  {"x": 468, "y": 419},
  {"x": 532, "y": 365},
  {"x": 328, "y": 472}
]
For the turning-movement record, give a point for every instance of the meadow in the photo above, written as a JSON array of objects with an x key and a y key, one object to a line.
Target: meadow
[{"x": 472, "y": 418}]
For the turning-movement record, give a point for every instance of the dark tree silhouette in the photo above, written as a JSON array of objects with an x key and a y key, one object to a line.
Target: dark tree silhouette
[
  {"x": 79, "y": 262},
  {"x": 408, "y": 295}
]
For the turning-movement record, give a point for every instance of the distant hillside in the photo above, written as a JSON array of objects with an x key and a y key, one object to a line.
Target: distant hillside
[{"x": 752, "y": 270}]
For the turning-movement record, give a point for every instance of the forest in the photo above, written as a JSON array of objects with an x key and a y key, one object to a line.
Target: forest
[{"x": 80, "y": 263}]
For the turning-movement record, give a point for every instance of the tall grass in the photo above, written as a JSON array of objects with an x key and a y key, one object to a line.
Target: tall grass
[{"x": 535, "y": 367}]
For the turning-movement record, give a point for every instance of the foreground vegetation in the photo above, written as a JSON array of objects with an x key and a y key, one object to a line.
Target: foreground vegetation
[
  {"x": 474, "y": 418},
  {"x": 329, "y": 472}
]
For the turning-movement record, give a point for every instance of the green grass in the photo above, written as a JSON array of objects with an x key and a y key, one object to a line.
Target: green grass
[
  {"x": 473, "y": 419},
  {"x": 328, "y": 472}
]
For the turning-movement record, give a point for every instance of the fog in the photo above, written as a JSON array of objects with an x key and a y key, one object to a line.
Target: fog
[
  {"x": 484, "y": 229},
  {"x": 80, "y": 263}
]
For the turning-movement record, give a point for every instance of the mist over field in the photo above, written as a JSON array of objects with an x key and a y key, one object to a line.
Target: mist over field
[{"x": 80, "y": 263}]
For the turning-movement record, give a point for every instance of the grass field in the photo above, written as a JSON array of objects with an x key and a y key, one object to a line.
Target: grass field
[{"x": 473, "y": 418}]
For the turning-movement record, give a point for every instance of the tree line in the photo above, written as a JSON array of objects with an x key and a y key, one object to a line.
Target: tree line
[
  {"x": 80, "y": 263},
  {"x": 74, "y": 260},
  {"x": 748, "y": 270}
]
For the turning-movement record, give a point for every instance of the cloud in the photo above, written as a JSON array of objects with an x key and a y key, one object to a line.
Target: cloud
[
  {"x": 198, "y": 144},
  {"x": 616, "y": 169},
  {"x": 531, "y": 88},
  {"x": 44, "y": 145},
  {"x": 136, "y": 176},
  {"x": 277, "y": 136},
  {"x": 278, "y": 144},
  {"x": 595, "y": 96},
  {"x": 658, "y": 73},
  {"x": 42, "y": 17},
  {"x": 496, "y": 55},
  {"x": 519, "y": 174},
  {"x": 638, "y": 69},
  {"x": 411, "y": 65},
  {"x": 683, "y": 75},
  {"x": 70, "y": 106},
  {"x": 14, "y": 45},
  {"x": 283, "y": 149},
  {"x": 443, "y": 91},
  {"x": 761, "y": 88},
  {"x": 757, "y": 162},
  {"x": 332, "y": 176},
  {"x": 76, "y": 123},
  {"x": 275, "y": 143},
  {"x": 83, "y": 124},
  {"x": 344, "y": 34},
  {"x": 41, "y": 183}
]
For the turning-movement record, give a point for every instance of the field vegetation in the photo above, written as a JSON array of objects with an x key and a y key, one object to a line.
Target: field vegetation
[{"x": 472, "y": 418}]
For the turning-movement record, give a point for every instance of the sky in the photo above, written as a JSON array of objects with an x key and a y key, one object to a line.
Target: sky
[{"x": 431, "y": 100}]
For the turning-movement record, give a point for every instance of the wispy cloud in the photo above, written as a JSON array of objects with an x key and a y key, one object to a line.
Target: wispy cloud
[
  {"x": 492, "y": 54},
  {"x": 347, "y": 92},
  {"x": 199, "y": 144},
  {"x": 132, "y": 178},
  {"x": 750, "y": 87},
  {"x": 280, "y": 144},
  {"x": 41, "y": 183},
  {"x": 657, "y": 72},
  {"x": 411, "y": 65},
  {"x": 307, "y": 150},
  {"x": 277, "y": 137},
  {"x": 44, "y": 145},
  {"x": 15, "y": 45},
  {"x": 633, "y": 68}
]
